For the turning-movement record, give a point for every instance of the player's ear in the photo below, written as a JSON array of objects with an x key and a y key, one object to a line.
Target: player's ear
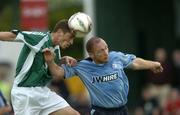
[{"x": 91, "y": 55}]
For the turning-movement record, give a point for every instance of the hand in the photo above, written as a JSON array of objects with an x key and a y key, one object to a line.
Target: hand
[
  {"x": 157, "y": 67},
  {"x": 70, "y": 61},
  {"x": 5, "y": 109},
  {"x": 48, "y": 55}
]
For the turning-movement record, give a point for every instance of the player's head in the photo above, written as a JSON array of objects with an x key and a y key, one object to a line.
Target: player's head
[
  {"x": 97, "y": 50},
  {"x": 62, "y": 34}
]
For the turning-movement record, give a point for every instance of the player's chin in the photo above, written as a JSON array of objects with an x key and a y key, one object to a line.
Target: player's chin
[{"x": 105, "y": 60}]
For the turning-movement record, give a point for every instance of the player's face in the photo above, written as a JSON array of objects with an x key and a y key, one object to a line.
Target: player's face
[
  {"x": 100, "y": 52},
  {"x": 66, "y": 40}
]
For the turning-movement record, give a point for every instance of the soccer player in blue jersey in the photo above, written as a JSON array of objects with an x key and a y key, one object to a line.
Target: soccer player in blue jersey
[
  {"x": 103, "y": 75},
  {"x": 30, "y": 94}
]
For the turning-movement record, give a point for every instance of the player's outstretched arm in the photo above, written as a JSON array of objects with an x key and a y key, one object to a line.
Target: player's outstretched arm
[
  {"x": 7, "y": 36},
  {"x": 56, "y": 71},
  {"x": 140, "y": 64}
]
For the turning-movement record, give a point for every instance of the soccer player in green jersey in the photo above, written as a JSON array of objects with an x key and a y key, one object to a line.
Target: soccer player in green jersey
[{"x": 30, "y": 94}]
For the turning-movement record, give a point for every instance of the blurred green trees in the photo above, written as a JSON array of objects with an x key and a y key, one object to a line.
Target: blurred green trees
[{"x": 57, "y": 10}]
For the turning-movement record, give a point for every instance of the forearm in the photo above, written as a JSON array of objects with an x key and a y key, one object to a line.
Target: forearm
[
  {"x": 7, "y": 36},
  {"x": 141, "y": 64},
  {"x": 5, "y": 109},
  {"x": 56, "y": 71}
]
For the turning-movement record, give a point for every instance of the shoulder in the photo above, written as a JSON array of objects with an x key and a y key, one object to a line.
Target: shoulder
[
  {"x": 88, "y": 59},
  {"x": 34, "y": 33},
  {"x": 85, "y": 62},
  {"x": 115, "y": 53}
]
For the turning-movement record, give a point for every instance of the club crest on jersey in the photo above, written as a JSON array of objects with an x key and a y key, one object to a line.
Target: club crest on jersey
[
  {"x": 105, "y": 78},
  {"x": 115, "y": 65}
]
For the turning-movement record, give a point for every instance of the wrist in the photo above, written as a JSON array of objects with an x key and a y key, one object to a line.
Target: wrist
[{"x": 50, "y": 62}]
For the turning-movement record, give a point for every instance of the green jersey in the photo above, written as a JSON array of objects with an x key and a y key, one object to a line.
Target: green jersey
[{"x": 31, "y": 68}]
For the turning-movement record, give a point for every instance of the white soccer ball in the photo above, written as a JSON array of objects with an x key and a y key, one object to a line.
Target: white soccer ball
[{"x": 80, "y": 23}]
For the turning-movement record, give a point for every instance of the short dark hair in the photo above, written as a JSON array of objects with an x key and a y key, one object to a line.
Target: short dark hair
[
  {"x": 90, "y": 43},
  {"x": 63, "y": 25}
]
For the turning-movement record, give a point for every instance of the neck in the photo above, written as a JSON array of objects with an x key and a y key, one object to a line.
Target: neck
[{"x": 98, "y": 62}]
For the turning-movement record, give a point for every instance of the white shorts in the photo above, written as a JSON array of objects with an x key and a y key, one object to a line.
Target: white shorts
[{"x": 36, "y": 101}]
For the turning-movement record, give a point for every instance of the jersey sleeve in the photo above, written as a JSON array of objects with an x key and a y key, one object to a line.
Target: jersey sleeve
[
  {"x": 126, "y": 59},
  {"x": 69, "y": 71},
  {"x": 34, "y": 40}
]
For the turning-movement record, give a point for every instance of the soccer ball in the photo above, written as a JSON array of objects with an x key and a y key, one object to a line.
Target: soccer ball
[{"x": 80, "y": 23}]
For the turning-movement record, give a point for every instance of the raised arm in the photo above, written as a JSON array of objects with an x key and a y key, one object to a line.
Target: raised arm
[
  {"x": 56, "y": 71},
  {"x": 142, "y": 64},
  {"x": 7, "y": 36}
]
